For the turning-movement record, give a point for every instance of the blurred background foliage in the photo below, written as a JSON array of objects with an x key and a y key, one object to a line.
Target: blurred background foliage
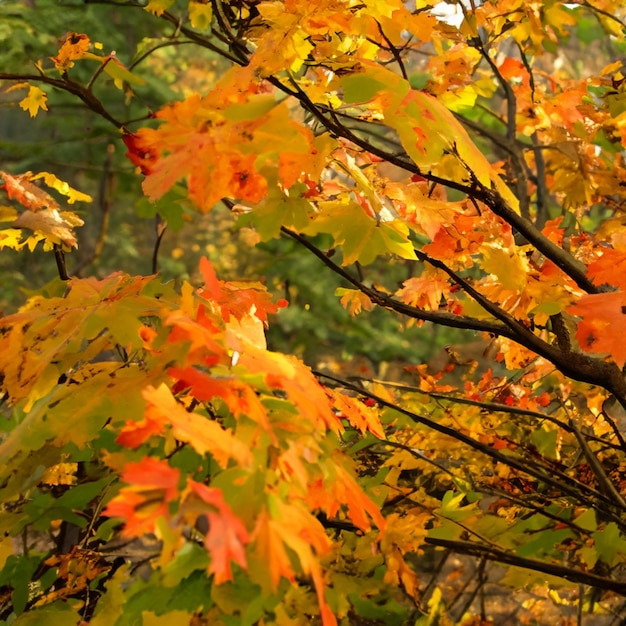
[{"x": 120, "y": 231}]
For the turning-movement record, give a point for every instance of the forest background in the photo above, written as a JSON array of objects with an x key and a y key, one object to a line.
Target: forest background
[{"x": 435, "y": 191}]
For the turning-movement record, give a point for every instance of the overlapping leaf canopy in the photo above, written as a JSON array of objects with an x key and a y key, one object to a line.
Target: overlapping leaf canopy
[{"x": 464, "y": 147}]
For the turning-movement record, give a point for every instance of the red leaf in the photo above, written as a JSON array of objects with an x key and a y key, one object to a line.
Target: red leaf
[
  {"x": 236, "y": 298},
  {"x": 139, "y": 155},
  {"x": 226, "y": 537},
  {"x": 153, "y": 485}
]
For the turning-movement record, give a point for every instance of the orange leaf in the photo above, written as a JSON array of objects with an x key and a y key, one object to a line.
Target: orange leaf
[
  {"x": 237, "y": 298},
  {"x": 203, "y": 434},
  {"x": 354, "y": 300},
  {"x": 74, "y": 47},
  {"x": 268, "y": 538},
  {"x": 603, "y": 324},
  {"x": 240, "y": 398},
  {"x": 609, "y": 269},
  {"x": 425, "y": 292},
  {"x": 302, "y": 533},
  {"x": 153, "y": 484},
  {"x": 226, "y": 537},
  {"x": 357, "y": 413},
  {"x": 343, "y": 490},
  {"x": 26, "y": 193}
]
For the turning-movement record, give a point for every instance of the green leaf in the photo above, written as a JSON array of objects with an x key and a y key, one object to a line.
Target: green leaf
[
  {"x": 18, "y": 572},
  {"x": 587, "y": 520},
  {"x": 279, "y": 209},
  {"x": 610, "y": 544},
  {"x": 232, "y": 597},
  {"x": 545, "y": 543},
  {"x": 390, "y": 613},
  {"x": 362, "y": 237},
  {"x": 451, "y": 507},
  {"x": 56, "y": 614},
  {"x": 44, "y": 509},
  {"x": 360, "y": 88},
  {"x": 120, "y": 74},
  {"x": 545, "y": 441},
  {"x": 519, "y": 578},
  {"x": 171, "y": 207},
  {"x": 189, "y": 558}
]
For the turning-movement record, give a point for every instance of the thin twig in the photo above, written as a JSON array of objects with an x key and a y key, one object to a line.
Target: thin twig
[{"x": 577, "y": 490}]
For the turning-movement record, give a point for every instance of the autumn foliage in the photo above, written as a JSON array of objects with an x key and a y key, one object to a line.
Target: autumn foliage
[{"x": 162, "y": 465}]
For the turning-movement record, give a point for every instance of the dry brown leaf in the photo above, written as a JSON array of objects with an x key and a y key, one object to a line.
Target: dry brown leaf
[{"x": 53, "y": 224}]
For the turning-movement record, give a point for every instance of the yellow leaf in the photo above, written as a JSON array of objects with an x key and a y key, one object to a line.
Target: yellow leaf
[
  {"x": 119, "y": 73},
  {"x": 158, "y": 7},
  {"x": 35, "y": 100},
  {"x": 10, "y": 238},
  {"x": 459, "y": 99},
  {"x": 612, "y": 67},
  {"x": 54, "y": 225},
  {"x": 60, "y": 474},
  {"x": 62, "y": 187},
  {"x": 7, "y": 213},
  {"x": 204, "y": 435},
  {"x": 171, "y": 618},
  {"x": 6, "y": 550},
  {"x": 17, "y": 86},
  {"x": 354, "y": 300},
  {"x": 507, "y": 266},
  {"x": 200, "y": 14}
]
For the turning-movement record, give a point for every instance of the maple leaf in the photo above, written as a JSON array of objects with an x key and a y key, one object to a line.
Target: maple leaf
[
  {"x": 226, "y": 145},
  {"x": 295, "y": 379},
  {"x": 268, "y": 539},
  {"x": 66, "y": 327},
  {"x": 56, "y": 226},
  {"x": 203, "y": 434},
  {"x": 138, "y": 154},
  {"x": 610, "y": 268},
  {"x": 302, "y": 533},
  {"x": 200, "y": 14},
  {"x": 425, "y": 291},
  {"x": 342, "y": 490},
  {"x": 21, "y": 189},
  {"x": 362, "y": 237},
  {"x": 240, "y": 398},
  {"x": 237, "y": 299},
  {"x": 277, "y": 210},
  {"x": 74, "y": 47},
  {"x": 158, "y": 7},
  {"x": 422, "y": 212},
  {"x": 153, "y": 484},
  {"x": 73, "y": 195},
  {"x": 226, "y": 536},
  {"x": 354, "y": 300},
  {"x": 508, "y": 266},
  {"x": 357, "y": 413},
  {"x": 35, "y": 100},
  {"x": 11, "y": 238},
  {"x": 603, "y": 319}
]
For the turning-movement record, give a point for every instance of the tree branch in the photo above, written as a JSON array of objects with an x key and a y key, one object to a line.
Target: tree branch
[
  {"x": 385, "y": 301},
  {"x": 508, "y": 558},
  {"x": 578, "y": 491},
  {"x": 70, "y": 86},
  {"x": 496, "y": 407}
]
